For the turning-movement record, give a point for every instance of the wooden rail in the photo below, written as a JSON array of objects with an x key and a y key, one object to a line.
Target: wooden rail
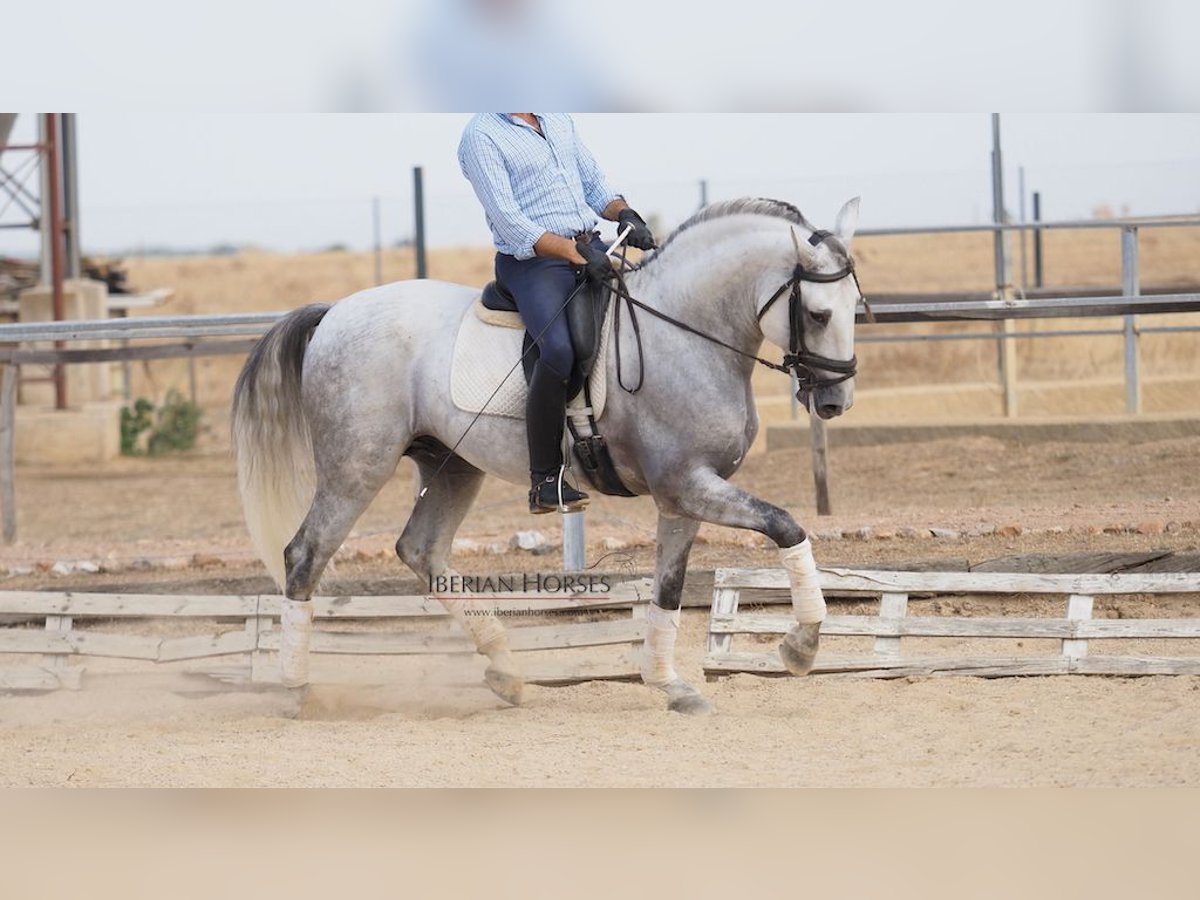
[
  {"x": 893, "y": 623},
  {"x": 61, "y": 639}
]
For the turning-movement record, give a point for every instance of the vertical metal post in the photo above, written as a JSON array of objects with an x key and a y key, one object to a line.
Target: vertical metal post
[
  {"x": 44, "y": 273},
  {"x": 997, "y": 203},
  {"x": 54, "y": 201},
  {"x": 573, "y": 542},
  {"x": 820, "y": 457},
  {"x": 70, "y": 169},
  {"x": 1131, "y": 287},
  {"x": 1037, "y": 240},
  {"x": 419, "y": 207},
  {"x": 1021, "y": 194},
  {"x": 1006, "y": 350},
  {"x": 703, "y": 192},
  {"x": 8, "y": 481},
  {"x": 378, "y": 240}
]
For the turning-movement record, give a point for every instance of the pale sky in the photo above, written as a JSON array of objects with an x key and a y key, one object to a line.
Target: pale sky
[{"x": 305, "y": 181}]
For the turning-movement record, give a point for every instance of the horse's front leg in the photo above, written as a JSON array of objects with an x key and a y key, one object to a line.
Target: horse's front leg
[
  {"x": 703, "y": 494},
  {"x": 673, "y": 543}
]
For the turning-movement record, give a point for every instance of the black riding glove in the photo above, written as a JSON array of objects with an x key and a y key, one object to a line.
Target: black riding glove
[
  {"x": 641, "y": 236},
  {"x": 597, "y": 267}
]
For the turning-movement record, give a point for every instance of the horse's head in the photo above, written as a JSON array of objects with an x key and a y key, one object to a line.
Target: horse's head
[{"x": 815, "y": 325}]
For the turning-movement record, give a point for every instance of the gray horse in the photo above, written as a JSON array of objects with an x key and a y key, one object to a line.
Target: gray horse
[{"x": 333, "y": 396}]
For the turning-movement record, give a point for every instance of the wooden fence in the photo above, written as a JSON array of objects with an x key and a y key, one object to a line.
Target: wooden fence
[
  {"x": 893, "y": 624},
  {"x": 45, "y": 625}
]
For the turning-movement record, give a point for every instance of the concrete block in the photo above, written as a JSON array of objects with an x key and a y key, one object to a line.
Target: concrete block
[
  {"x": 90, "y": 433},
  {"x": 82, "y": 299}
]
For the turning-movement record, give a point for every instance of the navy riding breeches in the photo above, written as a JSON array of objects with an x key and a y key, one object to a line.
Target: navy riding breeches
[{"x": 540, "y": 286}]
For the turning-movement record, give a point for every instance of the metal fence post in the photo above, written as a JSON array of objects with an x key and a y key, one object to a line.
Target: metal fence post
[
  {"x": 573, "y": 542},
  {"x": 1006, "y": 350},
  {"x": 1131, "y": 287},
  {"x": 419, "y": 210}
]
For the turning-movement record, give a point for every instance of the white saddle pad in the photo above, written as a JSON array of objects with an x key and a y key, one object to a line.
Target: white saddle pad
[{"x": 483, "y": 356}]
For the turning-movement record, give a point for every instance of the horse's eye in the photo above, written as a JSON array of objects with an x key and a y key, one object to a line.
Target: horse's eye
[{"x": 821, "y": 316}]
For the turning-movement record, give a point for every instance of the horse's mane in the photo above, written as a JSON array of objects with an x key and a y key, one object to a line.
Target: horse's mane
[{"x": 761, "y": 206}]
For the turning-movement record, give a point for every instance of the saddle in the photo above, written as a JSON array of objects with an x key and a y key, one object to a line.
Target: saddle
[
  {"x": 585, "y": 320},
  {"x": 585, "y": 315}
]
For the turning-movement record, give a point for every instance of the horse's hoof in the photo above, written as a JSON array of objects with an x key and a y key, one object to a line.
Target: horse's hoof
[
  {"x": 683, "y": 698},
  {"x": 798, "y": 649},
  {"x": 508, "y": 686}
]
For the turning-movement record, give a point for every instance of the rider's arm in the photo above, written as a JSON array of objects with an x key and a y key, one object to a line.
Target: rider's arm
[
  {"x": 484, "y": 167},
  {"x": 595, "y": 188},
  {"x": 555, "y": 245}
]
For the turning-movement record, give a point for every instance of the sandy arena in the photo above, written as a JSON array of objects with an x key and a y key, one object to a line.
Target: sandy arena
[{"x": 174, "y": 525}]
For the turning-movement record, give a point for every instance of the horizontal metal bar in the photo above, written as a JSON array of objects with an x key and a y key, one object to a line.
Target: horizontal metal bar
[
  {"x": 125, "y": 354},
  {"x": 1189, "y": 222},
  {"x": 986, "y": 336},
  {"x": 254, "y": 324},
  {"x": 140, "y": 327},
  {"x": 1032, "y": 308},
  {"x": 1165, "y": 329}
]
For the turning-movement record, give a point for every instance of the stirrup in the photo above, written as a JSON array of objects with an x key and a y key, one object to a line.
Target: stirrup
[{"x": 554, "y": 494}]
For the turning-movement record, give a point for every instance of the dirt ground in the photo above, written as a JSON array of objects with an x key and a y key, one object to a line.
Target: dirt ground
[
  {"x": 360, "y": 726},
  {"x": 174, "y": 525}
]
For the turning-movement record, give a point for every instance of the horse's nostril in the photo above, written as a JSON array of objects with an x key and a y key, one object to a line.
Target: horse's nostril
[{"x": 829, "y": 410}]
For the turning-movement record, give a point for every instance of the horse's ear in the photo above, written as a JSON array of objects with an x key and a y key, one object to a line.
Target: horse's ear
[{"x": 847, "y": 221}]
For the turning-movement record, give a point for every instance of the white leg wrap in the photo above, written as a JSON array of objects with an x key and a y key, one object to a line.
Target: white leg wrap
[
  {"x": 658, "y": 650},
  {"x": 808, "y": 603},
  {"x": 296, "y": 620},
  {"x": 479, "y": 622}
]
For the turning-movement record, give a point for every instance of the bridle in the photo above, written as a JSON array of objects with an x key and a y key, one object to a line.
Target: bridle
[
  {"x": 801, "y": 361},
  {"x": 798, "y": 361}
]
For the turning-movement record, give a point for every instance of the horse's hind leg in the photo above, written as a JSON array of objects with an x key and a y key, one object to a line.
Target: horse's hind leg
[
  {"x": 674, "y": 543},
  {"x": 345, "y": 487},
  {"x": 446, "y": 497}
]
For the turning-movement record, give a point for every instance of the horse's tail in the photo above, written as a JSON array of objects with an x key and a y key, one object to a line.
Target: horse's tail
[{"x": 271, "y": 438}]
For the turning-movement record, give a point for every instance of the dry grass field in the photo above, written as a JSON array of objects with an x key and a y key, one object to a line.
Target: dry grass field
[{"x": 256, "y": 281}]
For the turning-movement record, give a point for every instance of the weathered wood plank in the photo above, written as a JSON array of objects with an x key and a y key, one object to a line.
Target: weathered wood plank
[
  {"x": 200, "y": 646},
  {"x": 81, "y": 605},
  {"x": 378, "y": 643},
  {"x": 1138, "y": 628},
  {"x": 121, "y": 646},
  {"x": 548, "y": 673},
  {"x": 874, "y": 666},
  {"x": 530, "y": 637},
  {"x": 84, "y": 605},
  {"x": 891, "y": 607},
  {"x": 57, "y": 623},
  {"x": 724, "y": 609},
  {"x": 552, "y": 673},
  {"x": 875, "y": 582},
  {"x": 909, "y": 626},
  {"x": 1079, "y": 608},
  {"x": 1135, "y": 665},
  {"x": 967, "y": 627},
  {"x": 1088, "y": 562}
]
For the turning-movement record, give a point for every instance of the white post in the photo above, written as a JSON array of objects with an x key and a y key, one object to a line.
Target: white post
[
  {"x": 574, "y": 542},
  {"x": 1131, "y": 287}
]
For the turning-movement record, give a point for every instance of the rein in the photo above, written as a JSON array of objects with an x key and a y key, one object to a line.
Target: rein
[{"x": 798, "y": 361}]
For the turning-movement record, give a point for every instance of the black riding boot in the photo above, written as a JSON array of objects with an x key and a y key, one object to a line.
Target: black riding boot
[{"x": 544, "y": 414}]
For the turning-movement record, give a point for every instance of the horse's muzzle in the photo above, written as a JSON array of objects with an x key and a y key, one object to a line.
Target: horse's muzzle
[{"x": 826, "y": 402}]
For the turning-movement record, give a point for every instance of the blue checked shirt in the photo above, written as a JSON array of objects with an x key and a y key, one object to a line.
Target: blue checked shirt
[{"x": 529, "y": 184}]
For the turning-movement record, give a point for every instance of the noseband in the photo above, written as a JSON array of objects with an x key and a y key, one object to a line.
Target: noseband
[{"x": 799, "y": 360}]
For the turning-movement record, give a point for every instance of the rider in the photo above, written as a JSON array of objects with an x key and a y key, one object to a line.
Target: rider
[{"x": 542, "y": 190}]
